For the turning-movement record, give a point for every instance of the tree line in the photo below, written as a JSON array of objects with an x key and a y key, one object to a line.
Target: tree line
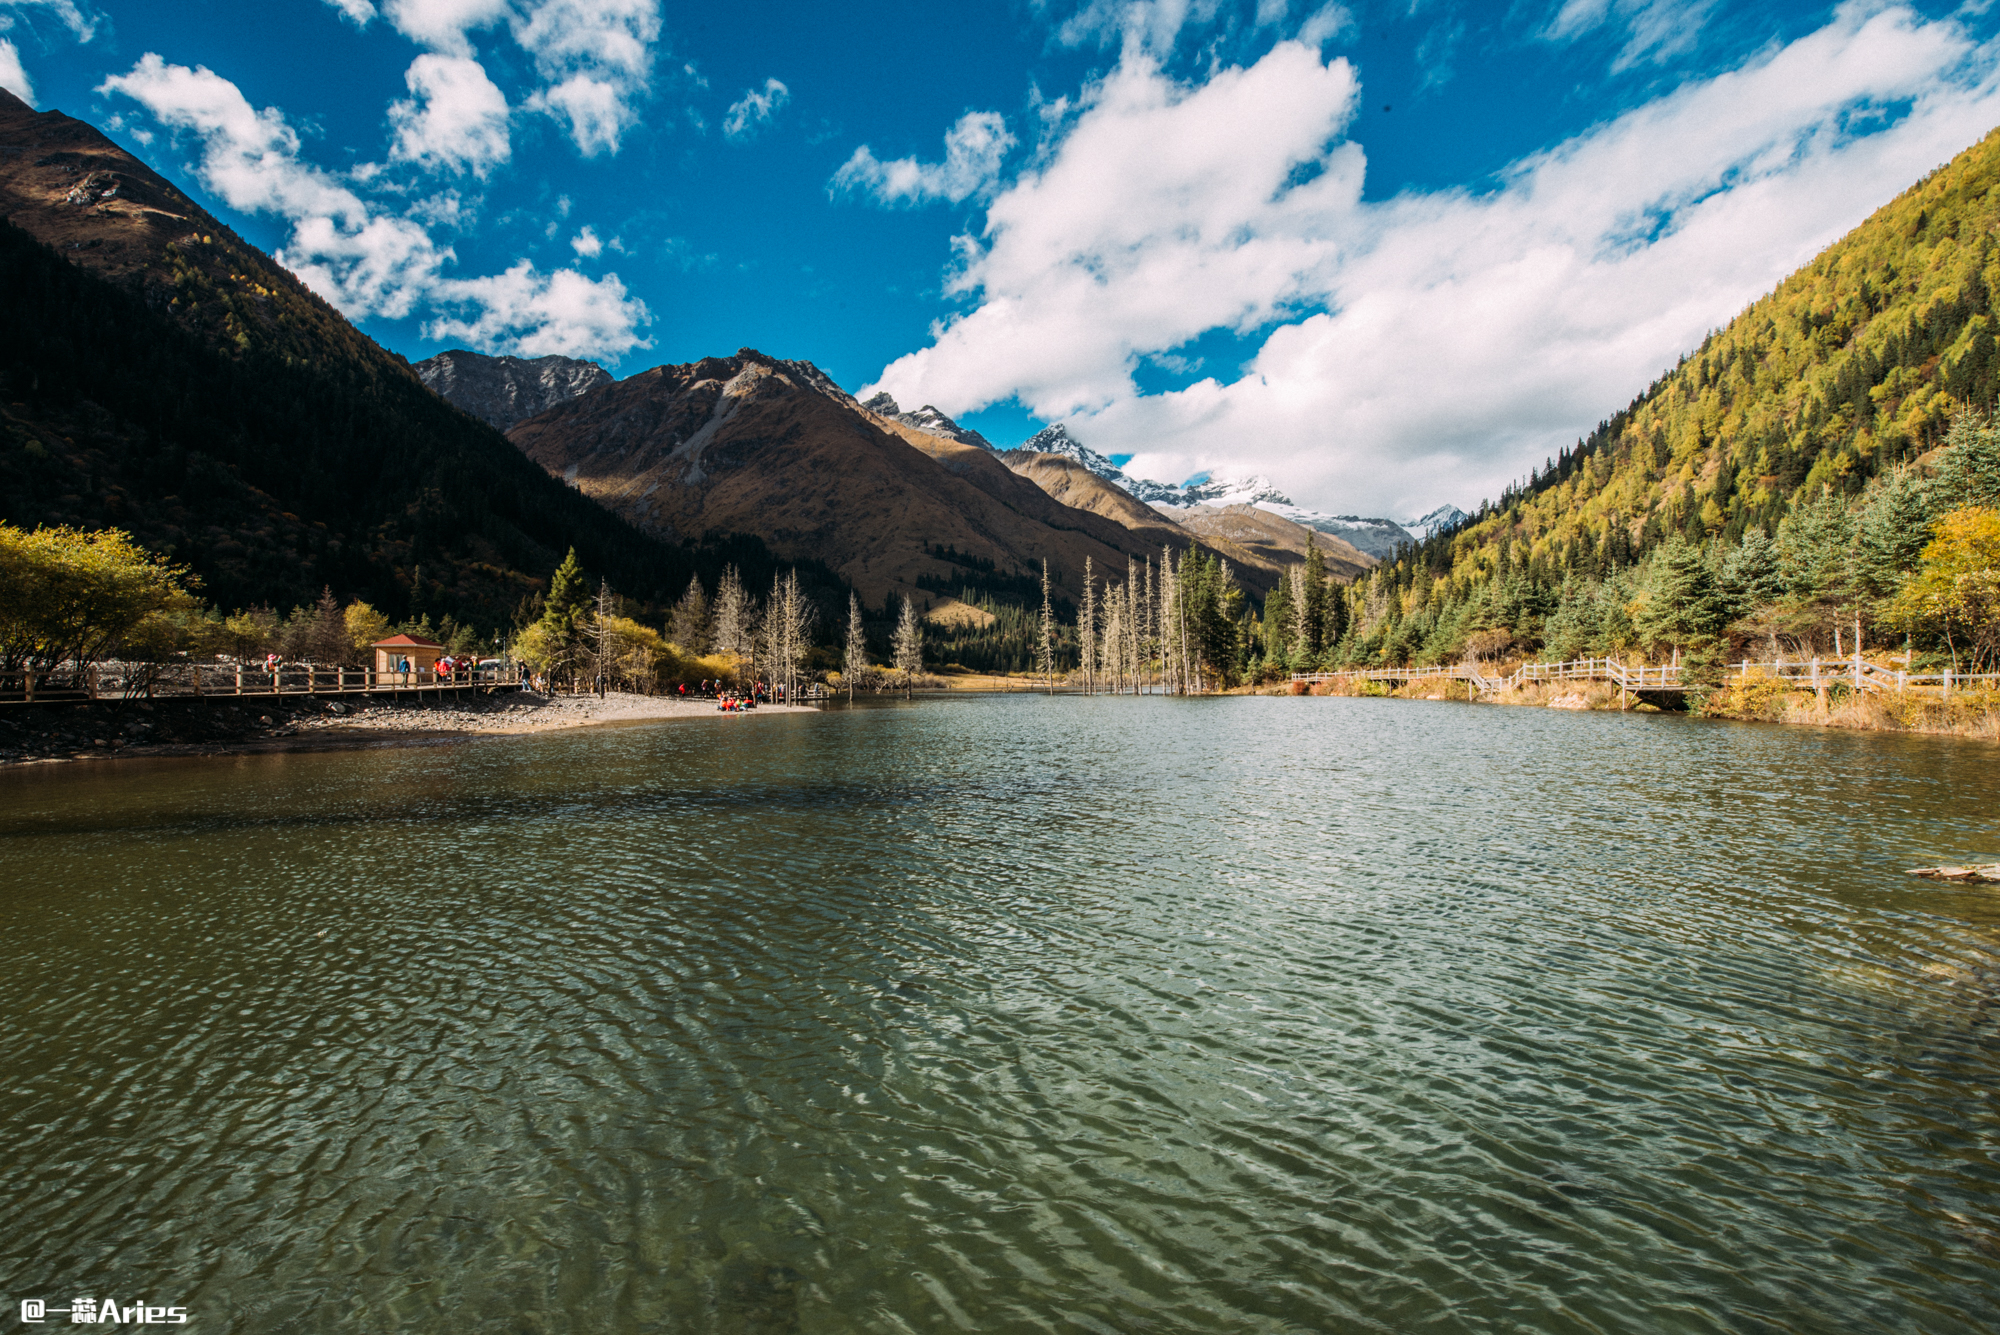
[{"x": 1910, "y": 560}]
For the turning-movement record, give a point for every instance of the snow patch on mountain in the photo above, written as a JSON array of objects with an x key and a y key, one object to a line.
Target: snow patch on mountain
[
  {"x": 1218, "y": 492},
  {"x": 1437, "y": 521},
  {"x": 1057, "y": 440},
  {"x": 929, "y": 419},
  {"x": 1380, "y": 538}
]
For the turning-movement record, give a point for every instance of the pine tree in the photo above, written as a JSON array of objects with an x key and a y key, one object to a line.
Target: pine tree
[
  {"x": 908, "y": 645},
  {"x": 1315, "y": 608},
  {"x": 1299, "y": 606},
  {"x": 1277, "y": 620},
  {"x": 1815, "y": 558},
  {"x": 688, "y": 626},
  {"x": 1893, "y": 531},
  {"x": 565, "y": 618},
  {"x": 327, "y": 641},
  {"x": 1969, "y": 472},
  {"x": 1684, "y": 606},
  {"x": 569, "y": 592},
  {"x": 1750, "y": 571}
]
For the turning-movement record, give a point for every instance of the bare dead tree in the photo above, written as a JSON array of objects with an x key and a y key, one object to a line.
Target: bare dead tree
[
  {"x": 1086, "y": 629},
  {"x": 732, "y": 616},
  {"x": 908, "y": 645},
  {"x": 1048, "y": 634},
  {"x": 856, "y": 661},
  {"x": 605, "y": 612}
]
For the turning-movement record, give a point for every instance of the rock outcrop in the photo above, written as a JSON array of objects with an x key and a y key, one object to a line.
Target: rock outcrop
[
  {"x": 928, "y": 420},
  {"x": 504, "y": 390}
]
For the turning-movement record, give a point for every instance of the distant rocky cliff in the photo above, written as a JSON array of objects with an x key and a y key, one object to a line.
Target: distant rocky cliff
[
  {"x": 927, "y": 419},
  {"x": 506, "y": 390},
  {"x": 1378, "y": 539}
]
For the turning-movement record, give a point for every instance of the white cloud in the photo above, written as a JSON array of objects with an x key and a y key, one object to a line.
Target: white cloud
[
  {"x": 1432, "y": 346},
  {"x": 973, "y": 151},
  {"x": 1325, "y": 24},
  {"x": 358, "y": 12},
  {"x": 81, "y": 20},
  {"x": 534, "y": 314},
  {"x": 754, "y": 110},
  {"x": 1656, "y": 30},
  {"x": 13, "y": 77},
  {"x": 455, "y": 120},
  {"x": 593, "y": 58},
  {"x": 1139, "y": 26},
  {"x": 368, "y": 262},
  {"x": 249, "y": 157},
  {"x": 596, "y": 57},
  {"x": 587, "y": 244},
  {"x": 1156, "y": 219},
  {"x": 442, "y": 25}
]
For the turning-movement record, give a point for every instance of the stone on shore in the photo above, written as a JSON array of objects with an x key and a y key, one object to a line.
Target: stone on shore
[{"x": 1989, "y": 871}]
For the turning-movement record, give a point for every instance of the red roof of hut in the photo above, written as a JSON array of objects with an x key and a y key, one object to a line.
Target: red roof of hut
[{"x": 406, "y": 642}]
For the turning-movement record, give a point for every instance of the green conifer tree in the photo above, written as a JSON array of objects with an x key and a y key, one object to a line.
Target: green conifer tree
[{"x": 1685, "y": 608}]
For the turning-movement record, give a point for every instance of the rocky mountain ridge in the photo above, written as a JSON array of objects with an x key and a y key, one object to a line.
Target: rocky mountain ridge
[
  {"x": 928, "y": 420},
  {"x": 758, "y": 444},
  {"x": 501, "y": 391},
  {"x": 1271, "y": 537},
  {"x": 1375, "y": 538}
]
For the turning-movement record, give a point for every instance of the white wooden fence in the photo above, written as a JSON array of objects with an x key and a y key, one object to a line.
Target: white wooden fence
[{"x": 1812, "y": 673}]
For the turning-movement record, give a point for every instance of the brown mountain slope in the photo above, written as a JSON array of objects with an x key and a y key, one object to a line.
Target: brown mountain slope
[
  {"x": 753, "y": 444},
  {"x": 1257, "y": 560},
  {"x": 1070, "y": 482},
  {"x": 1273, "y": 538},
  {"x": 67, "y": 185},
  {"x": 995, "y": 475},
  {"x": 164, "y": 377},
  {"x": 1034, "y": 494}
]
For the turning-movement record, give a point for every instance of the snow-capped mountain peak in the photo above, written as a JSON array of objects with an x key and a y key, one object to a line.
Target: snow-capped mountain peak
[
  {"x": 1057, "y": 440},
  {"x": 1437, "y": 521},
  {"x": 927, "y": 418},
  {"x": 1218, "y": 491},
  {"x": 1380, "y": 538}
]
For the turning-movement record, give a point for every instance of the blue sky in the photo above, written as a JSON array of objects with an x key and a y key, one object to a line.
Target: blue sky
[{"x": 1386, "y": 255}]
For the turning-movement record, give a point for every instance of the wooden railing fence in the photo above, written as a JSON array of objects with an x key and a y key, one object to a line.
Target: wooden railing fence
[
  {"x": 153, "y": 681},
  {"x": 1813, "y": 673}
]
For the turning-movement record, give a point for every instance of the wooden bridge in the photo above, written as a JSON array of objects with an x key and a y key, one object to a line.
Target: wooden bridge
[
  {"x": 202, "y": 681},
  {"x": 1664, "y": 684}
]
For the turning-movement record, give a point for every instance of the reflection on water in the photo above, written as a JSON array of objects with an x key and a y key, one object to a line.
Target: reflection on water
[{"x": 1014, "y": 1014}]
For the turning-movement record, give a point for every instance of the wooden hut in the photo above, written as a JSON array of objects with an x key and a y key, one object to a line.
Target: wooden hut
[{"x": 391, "y": 654}]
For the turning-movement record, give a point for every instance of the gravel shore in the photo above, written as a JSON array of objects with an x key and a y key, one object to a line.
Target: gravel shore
[{"x": 236, "y": 725}]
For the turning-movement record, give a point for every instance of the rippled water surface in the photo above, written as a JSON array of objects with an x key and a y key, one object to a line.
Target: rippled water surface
[{"x": 1014, "y": 1014}]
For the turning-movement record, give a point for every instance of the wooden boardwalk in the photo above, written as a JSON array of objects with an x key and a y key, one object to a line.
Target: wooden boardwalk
[
  {"x": 1814, "y": 674},
  {"x": 205, "y": 681}
]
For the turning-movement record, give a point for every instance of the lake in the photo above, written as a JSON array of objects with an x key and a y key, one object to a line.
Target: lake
[{"x": 1014, "y": 1014}]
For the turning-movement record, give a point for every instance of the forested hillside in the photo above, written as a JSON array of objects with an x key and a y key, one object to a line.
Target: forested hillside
[
  {"x": 1795, "y": 452},
  {"x": 273, "y": 477}
]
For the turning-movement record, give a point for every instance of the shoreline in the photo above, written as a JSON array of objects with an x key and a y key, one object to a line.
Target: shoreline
[
  {"x": 1975, "y": 717},
  {"x": 63, "y": 734}
]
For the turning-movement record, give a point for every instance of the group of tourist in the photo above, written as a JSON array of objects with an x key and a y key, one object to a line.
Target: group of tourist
[{"x": 452, "y": 667}]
